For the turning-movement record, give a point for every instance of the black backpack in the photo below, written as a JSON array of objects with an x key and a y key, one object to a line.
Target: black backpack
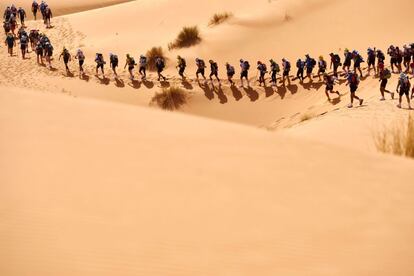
[
  {"x": 313, "y": 62},
  {"x": 246, "y": 65},
  {"x": 114, "y": 59},
  {"x": 161, "y": 63}
]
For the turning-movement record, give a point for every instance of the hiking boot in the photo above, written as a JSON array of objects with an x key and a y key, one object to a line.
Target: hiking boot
[
  {"x": 382, "y": 99},
  {"x": 350, "y": 105},
  {"x": 392, "y": 95},
  {"x": 398, "y": 105},
  {"x": 361, "y": 101}
]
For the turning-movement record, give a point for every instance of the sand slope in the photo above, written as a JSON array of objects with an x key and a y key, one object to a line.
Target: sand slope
[{"x": 92, "y": 188}]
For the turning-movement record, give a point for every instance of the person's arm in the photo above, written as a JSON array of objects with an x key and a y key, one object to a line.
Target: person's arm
[
  {"x": 60, "y": 56},
  {"x": 126, "y": 63}
]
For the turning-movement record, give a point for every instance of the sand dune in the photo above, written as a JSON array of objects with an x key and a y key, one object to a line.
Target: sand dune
[
  {"x": 92, "y": 182},
  {"x": 104, "y": 189}
]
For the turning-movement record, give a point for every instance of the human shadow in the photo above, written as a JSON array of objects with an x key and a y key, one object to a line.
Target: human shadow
[
  {"x": 252, "y": 94},
  {"x": 269, "y": 91},
  {"x": 220, "y": 94},
  {"x": 207, "y": 91},
  {"x": 135, "y": 84},
  {"x": 103, "y": 80},
  {"x": 148, "y": 84},
  {"x": 187, "y": 85},
  {"x": 312, "y": 85},
  {"x": 237, "y": 94},
  {"x": 281, "y": 91},
  {"x": 165, "y": 84},
  {"x": 293, "y": 88},
  {"x": 84, "y": 77},
  {"x": 69, "y": 74},
  {"x": 119, "y": 83},
  {"x": 336, "y": 100}
]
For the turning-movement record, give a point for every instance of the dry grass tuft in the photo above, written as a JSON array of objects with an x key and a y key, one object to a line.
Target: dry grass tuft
[
  {"x": 189, "y": 36},
  {"x": 170, "y": 98},
  {"x": 398, "y": 139},
  {"x": 152, "y": 54},
  {"x": 219, "y": 18}
]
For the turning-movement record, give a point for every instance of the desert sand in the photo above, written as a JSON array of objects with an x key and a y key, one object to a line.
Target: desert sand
[{"x": 94, "y": 181}]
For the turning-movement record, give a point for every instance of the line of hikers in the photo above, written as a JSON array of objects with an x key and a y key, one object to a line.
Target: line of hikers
[
  {"x": 351, "y": 64},
  {"x": 12, "y": 14}
]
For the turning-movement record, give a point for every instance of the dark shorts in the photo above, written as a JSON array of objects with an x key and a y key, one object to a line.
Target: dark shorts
[
  {"x": 371, "y": 62},
  {"x": 347, "y": 63},
  {"x": 353, "y": 88},
  {"x": 393, "y": 60},
  {"x": 404, "y": 92},
  {"x": 244, "y": 74},
  {"x": 23, "y": 46},
  {"x": 309, "y": 70},
  {"x": 99, "y": 66},
  {"x": 130, "y": 67},
  {"x": 114, "y": 65},
  {"x": 200, "y": 71},
  {"x": 181, "y": 70},
  {"x": 39, "y": 53},
  {"x": 285, "y": 73},
  {"x": 322, "y": 70},
  {"x": 81, "y": 62},
  {"x": 329, "y": 87},
  {"x": 230, "y": 75},
  {"x": 384, "y": 83},
  {"x": 159, "y": 70}
]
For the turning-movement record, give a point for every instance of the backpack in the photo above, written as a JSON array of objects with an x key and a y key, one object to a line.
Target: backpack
[
  {"x": 214, "y": 66},
  {"x": 23, "y": 40},
  {"x": 183, "y": 64},
  {"x": 313, "y": 62},
  {"x": 114, "y": 59},
  {"x": 161, "y": 63},
  {"x": 230, "y": 70},
  {"x": 10, "y": 39},
  {"x": 143, "y": 61},
  {"x": 275, "y": 67},
  {"x": 322, "y": 64},
  {"x": 386, "y": 74},
  {"x": 287, "y": 66},
  {"x": 337, "y": 59},
  {"x": 99, "y": 58},
  {"x": 246, "y": 65},
  {"x": 353, "y": 79}
]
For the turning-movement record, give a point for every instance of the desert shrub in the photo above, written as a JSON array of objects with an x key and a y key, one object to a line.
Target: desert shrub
[
  {"x": 152, "y": 54},
  {"x": 397, "y": 139},
  {"x": 219, "y": 18},
  {"x": 189, "y": 36},
  {"x": 170, "y": 98}
]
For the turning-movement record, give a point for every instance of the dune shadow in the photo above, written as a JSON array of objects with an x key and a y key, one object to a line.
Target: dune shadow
[
  {"x": 252, "y": 94},
  {"x": 237, "y": 94},
  {"x": 187, "y": 85},
  {"x": 119, "y": 83},
  {"x": 220, "y": 94},
  {"x": 135, "y": 84}
]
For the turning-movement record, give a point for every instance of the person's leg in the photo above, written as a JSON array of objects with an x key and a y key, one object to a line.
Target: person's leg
[
  {"x": 408, "y": 100},
  {"x": 211, "y": 76},
  {"x": 327, "y": 95}
]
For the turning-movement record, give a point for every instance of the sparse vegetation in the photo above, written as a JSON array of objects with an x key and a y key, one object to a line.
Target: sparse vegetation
[
  {"x": 152, "y": 54},
  {"x": 219, "y": 18},
  {"x": 398, "y": 139},
  {"x": 170, "y": 98},
  {"x": 189, "y": 36}
]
